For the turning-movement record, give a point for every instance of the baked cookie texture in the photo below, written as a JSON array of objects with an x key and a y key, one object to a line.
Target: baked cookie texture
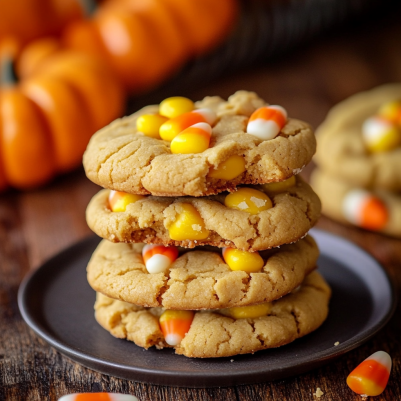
[
  {"x": 293, "y": 214},
  {"x": 119, "y": 158},
  {"x": 333, "y": 190},
  {"x": 342, "y": 152},
  {"x": 214, "y": 335},
  {"x": 198, "y": 279}
]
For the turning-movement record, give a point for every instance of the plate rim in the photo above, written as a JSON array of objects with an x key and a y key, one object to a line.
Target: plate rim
[{"x": 127, "y": 372}]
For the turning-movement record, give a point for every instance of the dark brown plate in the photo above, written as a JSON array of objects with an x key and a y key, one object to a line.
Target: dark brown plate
[{"x": 57, "y": 303}]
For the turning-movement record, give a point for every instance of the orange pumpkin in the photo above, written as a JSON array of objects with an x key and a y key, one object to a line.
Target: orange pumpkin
[
  {"x": 47, "y": 119},
  {"x": 144, "y": 41},
  {"x": 30, "y": 19}
]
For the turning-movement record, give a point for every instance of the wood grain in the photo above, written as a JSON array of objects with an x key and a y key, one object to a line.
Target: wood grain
[{"x": 34, "y": 225}]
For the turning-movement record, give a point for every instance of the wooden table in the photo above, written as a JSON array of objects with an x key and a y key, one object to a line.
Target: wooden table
[{"x": 35, "y": 225}]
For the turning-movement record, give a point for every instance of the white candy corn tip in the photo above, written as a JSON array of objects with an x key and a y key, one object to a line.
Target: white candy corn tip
[
  {"x": 383, "y": 358},
  {"x": 203, "y": 126},
  {"x": 172, "y": 339},
  {"x": 263, "y": 129},
  {"x": 374, "y": 128},
  {"x": 158, "y": 263},
  {"x": 281, "y": 109},
  {"x": 111, "y": 194},
  {"x": 353, "y": 203},
  {"x": 112, "y": 396},
  {"x": 208, "y": 114}
]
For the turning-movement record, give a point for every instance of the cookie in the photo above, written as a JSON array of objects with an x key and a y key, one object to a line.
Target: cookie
[
  {"x": 120, "y": 158},
  {"x": 199, "y": 278},
  {"x": 376, "y": 210},
  {"x": 150, "y": 220},
  {"x": 213, "y": 334},
  {"x": 342, "y": 151}
]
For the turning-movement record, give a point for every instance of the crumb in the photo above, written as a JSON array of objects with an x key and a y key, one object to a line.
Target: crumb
[
  {"x": 231, "y": 360},
  {"x": 364, "y": 396},
  {"x": 318, "y": 393},
  {"x": 196, "y": 227},
  {"x": 336, "y": 343}
]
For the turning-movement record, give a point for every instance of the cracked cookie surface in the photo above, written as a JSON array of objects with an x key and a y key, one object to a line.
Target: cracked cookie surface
[
  {"x": 293, "y": 214},
  {"x": 342, "y": 152},
  {"x": 333, "y": 191},
  {"x": 215, "y": 335},
  {"x": 198, "y": 279},
  {"x": 119, "y": 158}
]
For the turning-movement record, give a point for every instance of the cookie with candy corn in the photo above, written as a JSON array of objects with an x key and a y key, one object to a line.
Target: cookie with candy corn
[
  {"x": 359, "y": 142},
  {"x": 376, "y": 210},
  {"x": 181, "y": 147},
  {"x": 222, "y": 332},
  {"x": 250, "y": 219},
  {"x": 200, "y": 278}
]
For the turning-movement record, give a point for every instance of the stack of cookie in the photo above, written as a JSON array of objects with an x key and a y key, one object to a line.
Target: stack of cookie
[
  {"x": 187, "y": 264},
  {"x": 359, "y": 161}
]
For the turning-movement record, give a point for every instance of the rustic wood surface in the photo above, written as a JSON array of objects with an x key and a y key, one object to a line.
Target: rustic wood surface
[{"x": 35, "y": 225}]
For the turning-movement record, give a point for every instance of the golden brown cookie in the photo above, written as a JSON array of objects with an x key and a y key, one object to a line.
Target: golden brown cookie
[
  {"x": 376, "y": 210},
  {"x": 119, "y": 158},
  {"x": 342, "y": 151},
  {"x": 198, "y": 279},
  {"x": 212, "y": 334},
  {"x": 294, "y": 213}
]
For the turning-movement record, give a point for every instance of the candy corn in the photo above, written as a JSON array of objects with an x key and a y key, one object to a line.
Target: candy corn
[
  {"x": 249, "y": 262},
  {"x": 267, "y": 122},
  {"x": 119, "y": 201},
  {"x": 194, "y": 139},
  {"x": 229, "y": 169},
  {"x": 277, "y": 187},
  {"x": 158, "y": 258},
  {"x": 371, "y": 376},
  {"x": 171, "y": 128},
  {"x": 188, "y": 225},
  {"x": 175, "y": 106},
  {"x": 98, "y": 397},
  {"x": 380, "y": 135},
  {"x": 248, "y": 200},
  {"x": 149, "y": 124},
  {"x": 175, "y": 324},
  {"x": 391, "y": 111},
  {"x": 249, "y": 312},
  {"x": 365, "y": 210}
]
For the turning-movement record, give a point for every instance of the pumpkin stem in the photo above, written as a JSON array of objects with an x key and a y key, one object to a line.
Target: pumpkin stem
[
  {"x": 7, "y": 71},
  {"x": 89, "y": 7}
]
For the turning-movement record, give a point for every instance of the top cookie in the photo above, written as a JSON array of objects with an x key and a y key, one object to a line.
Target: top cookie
[
  {"x": 120, "y": 157},
  {"x": 373, "y": 162}
]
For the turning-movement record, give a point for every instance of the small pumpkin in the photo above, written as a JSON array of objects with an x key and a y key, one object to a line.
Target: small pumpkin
[
  {"x": 47, "y": 119},
  {"x": 144, "y": 41},
  {"x": 30, "y": 19}
]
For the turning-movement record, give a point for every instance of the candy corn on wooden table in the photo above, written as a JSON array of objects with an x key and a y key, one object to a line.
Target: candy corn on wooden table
[{"x": 35, "y": 225}]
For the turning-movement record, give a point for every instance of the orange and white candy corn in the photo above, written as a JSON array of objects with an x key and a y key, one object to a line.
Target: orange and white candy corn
[
  {"x": 391, "y": 111},
  {"x": 171, "y": 128},
  {"x": 98, "y": 397},
  {"x": 365, "y": 210},
  {"x": 194, "y": 139},
  {"x": 380, "y": 135},
  {"x": 158, "y": 258},
  {"x": 175, "y": 324},
  {"x": 371, "y": 376},
  {"x": 266, "y": 122},
  {"x": 119, "y": 201}
]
